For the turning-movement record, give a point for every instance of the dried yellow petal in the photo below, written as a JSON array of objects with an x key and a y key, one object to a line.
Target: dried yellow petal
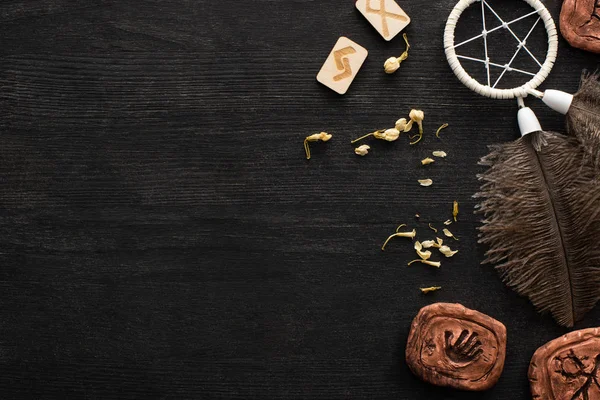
[
  {"x": 362, "y": 150},
  {"x": 428, "y": 243},
  {"x": 423, "y": 254},
  {"x": 400, "y": 234},
  {"x": 439, "y": 241},
  {"x": 436, "y": 264},
  {"x": 437, "y": 133},
  {"x": 401, "y": 124},
  {"x": 449, "y": 234},
  {"x": 425, "y": 182},
  {"x": 447, "y": 251},
  {"x": 439, "y": 153},
  {"x": 427, "y": 160},
  {"x": 432, "y": 228},
  {"x": 455, "y": 210},
  {"x": 426, "y": 290},
  {"x": 447, "y": 222}
]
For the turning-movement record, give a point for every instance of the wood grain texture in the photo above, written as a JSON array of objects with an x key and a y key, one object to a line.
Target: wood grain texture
[{"x": 163, "y": 236}]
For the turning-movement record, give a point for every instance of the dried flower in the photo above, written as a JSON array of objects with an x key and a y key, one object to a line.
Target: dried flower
[
  {"x": 362, "y": 150},
  {"x": 447, "y": 222},
  {"x": 439, "y": 241},
  {"x": 432, "y": 228},
  {"x": 455, "y": 210},
  {"x": 417, "y": 116},
  {"x": 432, "y": 263},
  {"x": 323, "y": 136},
  {"x": 449, "y": 234},
  {"x": 400, "y": 234},
  {"x": 447, "y": 251},
  {"x": 426, "y": 290},
  {"x": 429, "y": 243},
  {"x": 425, "y": 182},
  {"x": 437, "y": 133},
  {"x": 423, "y": 254},
  {"x": 390, "y": 135},
  {"x": 439, "y": 153},
  {"x": 427, "y": 160},
  {"x": 401, "y": 124},
  {"x": 392, "y": 64}
]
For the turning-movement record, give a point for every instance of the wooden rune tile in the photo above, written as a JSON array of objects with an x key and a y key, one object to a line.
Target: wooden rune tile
[
  {"x": 451, "y": 345},
  {"x": 385, "y": 15},
  {"x": 342, "y": 65}
]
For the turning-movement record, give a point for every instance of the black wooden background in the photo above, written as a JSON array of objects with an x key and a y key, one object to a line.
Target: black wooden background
[{"x": 162, "y": 235}]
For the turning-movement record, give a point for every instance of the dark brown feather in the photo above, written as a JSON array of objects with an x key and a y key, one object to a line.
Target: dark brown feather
[
  {"x": 542, "y": 222},
  {"x": 583, "y": 118}
]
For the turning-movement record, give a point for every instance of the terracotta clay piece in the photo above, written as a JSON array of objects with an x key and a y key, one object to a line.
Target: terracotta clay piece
[
  {"x": 580, "y": 24},
  {"x": 451, "y": 345},
  {"x": 567, "y": 367}
]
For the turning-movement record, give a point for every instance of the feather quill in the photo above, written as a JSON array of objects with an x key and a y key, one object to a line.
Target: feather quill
[{"x": 542, "y": 222}]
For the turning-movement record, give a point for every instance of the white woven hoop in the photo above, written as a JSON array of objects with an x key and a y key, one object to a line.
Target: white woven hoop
[{"x": 488, "y": 91}]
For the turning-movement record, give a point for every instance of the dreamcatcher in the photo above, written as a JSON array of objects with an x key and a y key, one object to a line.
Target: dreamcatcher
[{"x": 540, "y": 213}]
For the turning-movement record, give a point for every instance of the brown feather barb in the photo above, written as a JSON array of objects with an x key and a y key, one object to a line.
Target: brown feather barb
[
  {"x": 542, "y": 222},
  {"x": 583, "y": 117}
]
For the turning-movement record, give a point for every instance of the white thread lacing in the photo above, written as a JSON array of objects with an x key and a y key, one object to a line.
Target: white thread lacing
[{"x": 491, "y": 90}]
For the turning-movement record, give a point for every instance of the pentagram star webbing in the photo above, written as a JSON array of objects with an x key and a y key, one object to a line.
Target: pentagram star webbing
[{"x": 505, "y": 25}]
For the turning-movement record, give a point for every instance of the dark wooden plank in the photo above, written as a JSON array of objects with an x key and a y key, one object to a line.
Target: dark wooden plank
[{"x": 163, "y": 236}]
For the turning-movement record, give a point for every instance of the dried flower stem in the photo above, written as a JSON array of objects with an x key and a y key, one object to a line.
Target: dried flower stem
[
  {"x": 400, "y": 234},
  {"x": 437, "y": 133},
  {"x": 430, "y": 289},
  {"x": 432, "y": 228},
  {"x": 436, "y": 264},
  {"x": 367, "y": 135},
  {"x": 400, "y": 226},
  {"x": 455, "y": 210}
]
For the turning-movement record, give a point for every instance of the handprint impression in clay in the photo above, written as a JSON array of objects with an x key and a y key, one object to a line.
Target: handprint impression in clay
[{"x": 465, "y": 350}]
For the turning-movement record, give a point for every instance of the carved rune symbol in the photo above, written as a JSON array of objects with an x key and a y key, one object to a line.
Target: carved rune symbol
[
  {"x": 384, "y": 15},
  {"x": 342, "y": 63},
  {"x": 464, "y": 350},
  {"x": 572, "y": 367}
]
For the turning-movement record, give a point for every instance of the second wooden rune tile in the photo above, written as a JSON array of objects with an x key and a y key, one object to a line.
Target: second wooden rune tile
[{"x": 385, "y": 15}]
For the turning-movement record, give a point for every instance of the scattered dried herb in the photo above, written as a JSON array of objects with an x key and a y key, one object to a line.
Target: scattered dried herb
[
  {"x": 432, "y": 228},
  {"x": 362, "y": 150},
  {"x": 436, "y": 264},
  {"x": 427, "y": 160},
  {"x": 400, "y": 234},
  {"x": 455, "y": 210},
  {"x": 449, "y": 234},
  {"x": 447, "y": 222},
  {"x": 439, "y": 153},
  {"x": 323, "y": 136},
  {"x": 390, "y": 135},
  {"x": 423, "y": 254},
  {"x": 392, "y": 64},
  {"x": 437, "y": 133},
  {"x": 425, "y": 182},
  {"x": 430, "y": 289},
  {"x": 447, "y": 251}
]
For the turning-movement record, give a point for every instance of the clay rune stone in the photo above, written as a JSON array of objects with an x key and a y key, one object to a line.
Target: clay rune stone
[
  {"x": 567, "y": 367},
  {"x": 580, "y": 24},
  {"x": 451, "y": 345}
]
